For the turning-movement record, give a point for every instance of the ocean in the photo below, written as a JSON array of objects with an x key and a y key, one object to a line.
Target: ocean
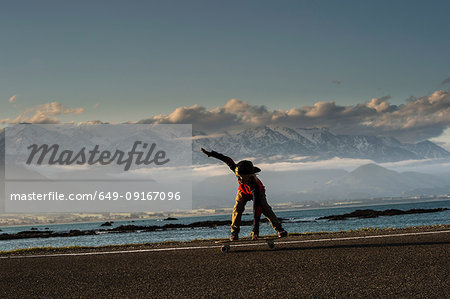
[{"x": 299, "y": 221}]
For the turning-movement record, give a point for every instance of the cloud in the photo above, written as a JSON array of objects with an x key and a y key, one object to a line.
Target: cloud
[
  {"x": 443, "y": 140},
  {"x": 11, "y": 99},
  {"x": 418, "y": 119},
  {"x": 334, "y": 163},
  {"x": 92, "y": 122},
  {"x": 43, "y": 114},
  {"x": 197, "y": 137},
  {"x": 348, "y": 164},
  {"x": 336, "y": 82},
  {"x": 381, "y": 104},
  {"x": 446, "y": 81},
  {"x": 214, "y": 119}
]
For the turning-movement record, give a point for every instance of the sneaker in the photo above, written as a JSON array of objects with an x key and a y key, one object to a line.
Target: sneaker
[
  {"x": 234, "y": 236},
  {"x": 255, "y": 236},
  {"x": 282, "y": 233}
]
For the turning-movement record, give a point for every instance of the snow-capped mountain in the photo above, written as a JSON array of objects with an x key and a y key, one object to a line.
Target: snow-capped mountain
[
  {"x": 267, "y": 142},
  {"x": 426, "y": 149},
  {"x": 278, "y": 143}
]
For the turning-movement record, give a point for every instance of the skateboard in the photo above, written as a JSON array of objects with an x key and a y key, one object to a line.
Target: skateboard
[{"x": 270, "y": 241}]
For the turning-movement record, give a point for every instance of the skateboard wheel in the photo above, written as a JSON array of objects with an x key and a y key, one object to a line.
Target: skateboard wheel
[
  {"x": 225, "y": 248},
  {"x": 271, "y": 244}
]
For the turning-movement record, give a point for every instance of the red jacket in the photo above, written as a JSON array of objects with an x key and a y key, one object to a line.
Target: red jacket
[{"x": 247, "y": 189}]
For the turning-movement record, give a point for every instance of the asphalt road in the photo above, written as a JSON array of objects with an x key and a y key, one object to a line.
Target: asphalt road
[{"x": 395, "y": 266}]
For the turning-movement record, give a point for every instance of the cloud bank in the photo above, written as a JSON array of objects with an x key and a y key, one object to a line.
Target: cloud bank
[
  {"x": 416, "y": 120},
  {"x": 42, "y": 114}
]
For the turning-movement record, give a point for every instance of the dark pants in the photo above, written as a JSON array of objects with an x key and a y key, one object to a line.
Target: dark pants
[{"x": 239, "y": 207}]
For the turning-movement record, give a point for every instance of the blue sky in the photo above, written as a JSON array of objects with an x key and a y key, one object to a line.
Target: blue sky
[{"x": 127, "y": 61}]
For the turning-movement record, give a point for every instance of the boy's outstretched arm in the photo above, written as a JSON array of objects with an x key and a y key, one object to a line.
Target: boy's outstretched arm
[{"x": 223, "y": 158}]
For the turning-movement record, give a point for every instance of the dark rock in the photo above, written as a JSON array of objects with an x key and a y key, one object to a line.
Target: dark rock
[
  {"x": 29, "y": 232},
  {"x": 45, "y": 234},
  {"x": 373, "y": 214},
  {"x": 26, "y": 235},
  {"x": 107, "y": 223},
  {"x": 170, "y": 219},
  {"x": 129, "y": 227}
]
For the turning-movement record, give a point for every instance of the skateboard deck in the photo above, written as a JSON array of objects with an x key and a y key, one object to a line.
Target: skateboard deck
[{"x": 226, "y": 244}]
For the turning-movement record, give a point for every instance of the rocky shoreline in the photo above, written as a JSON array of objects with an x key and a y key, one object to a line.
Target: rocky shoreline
[
  {"x": 33, "y": 233},
  {"x": 120, "y": 229}
]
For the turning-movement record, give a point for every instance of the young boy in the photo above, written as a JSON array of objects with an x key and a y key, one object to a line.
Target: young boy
[{"x": 250, "y": 188}]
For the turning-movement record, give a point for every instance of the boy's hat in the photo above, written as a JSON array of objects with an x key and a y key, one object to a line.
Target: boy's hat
[{"x": 246, "y": 167}]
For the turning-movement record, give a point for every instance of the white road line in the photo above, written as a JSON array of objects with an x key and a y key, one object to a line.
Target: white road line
[{"x": 218, "y": 246}]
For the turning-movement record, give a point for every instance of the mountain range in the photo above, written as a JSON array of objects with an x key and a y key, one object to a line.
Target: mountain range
[{"x": 279, "y": 143}]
